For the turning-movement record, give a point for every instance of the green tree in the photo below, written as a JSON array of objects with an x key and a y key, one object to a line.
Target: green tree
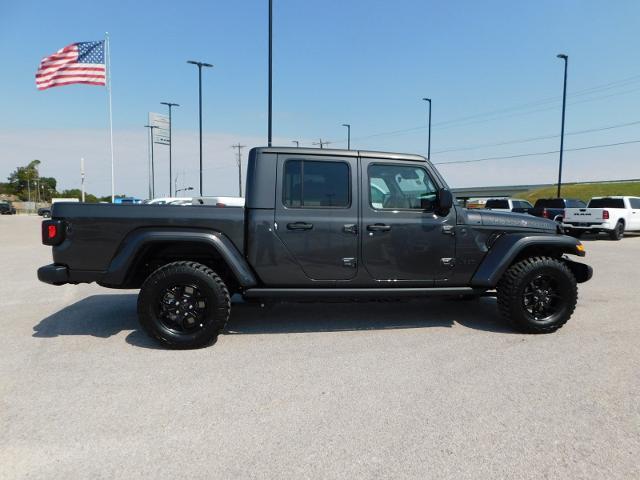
[{"x": 21, "y": 180}]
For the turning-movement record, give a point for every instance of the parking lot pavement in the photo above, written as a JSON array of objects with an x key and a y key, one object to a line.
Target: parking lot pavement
[{"x": 423, "y": 389}]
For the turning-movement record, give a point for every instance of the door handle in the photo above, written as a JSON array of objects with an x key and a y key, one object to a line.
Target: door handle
[
  {"x": 299, "y": 226},
  {"x": 379, "y": 227}
]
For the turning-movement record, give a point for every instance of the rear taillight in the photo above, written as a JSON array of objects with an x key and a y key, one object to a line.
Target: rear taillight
[
  {"x": 52, "y": 232},
  {"x": 605, "y": 214},
  {"x": 545, "y": 213}
]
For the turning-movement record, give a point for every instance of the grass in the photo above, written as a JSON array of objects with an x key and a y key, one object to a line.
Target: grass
[{"x": 585, "y": 191}]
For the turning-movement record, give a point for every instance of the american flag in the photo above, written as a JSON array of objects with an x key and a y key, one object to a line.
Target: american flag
[{"x": 76, "y": 63}]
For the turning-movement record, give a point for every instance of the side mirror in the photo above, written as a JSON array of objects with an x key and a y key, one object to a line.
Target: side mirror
[{"x": 445, "y": 202}]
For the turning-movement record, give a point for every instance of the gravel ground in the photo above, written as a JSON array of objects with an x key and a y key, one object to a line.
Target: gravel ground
[{"x": 423, "y": 389}]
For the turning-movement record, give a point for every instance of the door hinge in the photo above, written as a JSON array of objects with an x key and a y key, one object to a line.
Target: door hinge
[{"x": 349, "y": 262}]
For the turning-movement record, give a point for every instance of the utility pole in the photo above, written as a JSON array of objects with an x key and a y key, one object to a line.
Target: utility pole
[
  {"x": 269, "y": 127},
  {"x": 152, "y": 178},
  {"x": 321, "y": 143},
  {"x": 239, "y": 147},
  {"x": 296, "y": 142},
  {"x": 82, "y": 178},
  {"x": 200, "y": 65},
  {"x": 169, "y": 104},
  {"x": 564, "y": 105},
  {"x": 348, "y": 135}
]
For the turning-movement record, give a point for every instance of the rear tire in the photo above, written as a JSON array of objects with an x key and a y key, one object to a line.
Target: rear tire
[
  {"x": 618, "y": 232},
  {"x": 537, "y": 295},
  {"x": 184, "y": 305}
]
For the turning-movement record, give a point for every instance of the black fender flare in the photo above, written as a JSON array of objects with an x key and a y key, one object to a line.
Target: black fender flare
[
  {"x": 507, "y": 248},
  {"x": 133, "y": 244}
]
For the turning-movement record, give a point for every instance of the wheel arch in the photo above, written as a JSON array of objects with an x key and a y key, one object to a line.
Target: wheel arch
[
  {"x": 512, "y": 248},
  {"x": 144, "y": 250}
]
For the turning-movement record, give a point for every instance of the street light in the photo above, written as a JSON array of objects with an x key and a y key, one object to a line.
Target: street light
[
  {"x": 564, "y": 105},
  {"x": 348, "y": 135},
  {"x": 169, "y": 104},
  {"x": 186, "y": 189},
  {"x": 200, "y": 65},
  {"x": 152, "y": 180},
  {"x": 296, "y": 142},
  {"x": 429, "y": 141}
]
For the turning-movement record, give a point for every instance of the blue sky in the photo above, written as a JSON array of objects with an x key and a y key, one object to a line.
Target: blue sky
[{"x": 367, "y": 63}]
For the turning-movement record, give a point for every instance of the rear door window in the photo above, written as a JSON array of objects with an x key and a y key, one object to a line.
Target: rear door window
[
  {"x": 316, "y": 184},
  {"x": 635, "y": 203}
]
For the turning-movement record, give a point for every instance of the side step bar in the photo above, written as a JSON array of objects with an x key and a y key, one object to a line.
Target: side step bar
[{"x": 296, "y": 293}]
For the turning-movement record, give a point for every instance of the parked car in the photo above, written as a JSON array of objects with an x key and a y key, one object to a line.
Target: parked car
[
  {"x": 508, "y": 205},
  {"x": 553, "y": 208},
  {"x": 7, "y": 208},
  {"x": 311, "y": 230},
  {"x": 219, "y": 201},
  {"x": 46, "y": 211},
  {"x": 166, "y": 200},
  {"x": 611, "y": 215}
]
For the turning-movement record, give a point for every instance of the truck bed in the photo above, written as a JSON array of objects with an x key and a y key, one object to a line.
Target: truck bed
[{"x": 95, "y": 232}]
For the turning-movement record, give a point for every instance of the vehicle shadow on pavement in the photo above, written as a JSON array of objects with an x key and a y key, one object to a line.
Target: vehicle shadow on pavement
[{"x": 106, "y": 315}]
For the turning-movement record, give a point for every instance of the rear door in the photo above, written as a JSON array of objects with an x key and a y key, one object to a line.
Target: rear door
[
  {"x": 634, "y": 216},
  {"x": 402, "y": 239},
  {"x": 316, "y": 214}
]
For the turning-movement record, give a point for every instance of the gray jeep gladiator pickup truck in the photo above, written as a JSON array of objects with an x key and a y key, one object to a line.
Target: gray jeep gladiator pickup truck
[{"x": 317, "y": 224}]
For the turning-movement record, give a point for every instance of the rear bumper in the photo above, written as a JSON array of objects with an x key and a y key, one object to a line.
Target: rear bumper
[
  {"x": 54, "y": 274},
  {"x": 588, "y": 226}
]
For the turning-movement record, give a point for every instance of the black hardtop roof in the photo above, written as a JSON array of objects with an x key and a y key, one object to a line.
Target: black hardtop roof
[{"x": 339, "y": 153}]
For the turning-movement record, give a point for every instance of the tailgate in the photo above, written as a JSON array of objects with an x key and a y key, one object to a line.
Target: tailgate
[{"x": 583, "y": 215}]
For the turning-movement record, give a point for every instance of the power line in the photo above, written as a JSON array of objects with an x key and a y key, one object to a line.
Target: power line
[
  {"x": 534, "y": 154},
  {"x": 533, "y": 139},
  {"x": 473, "y": 119}
]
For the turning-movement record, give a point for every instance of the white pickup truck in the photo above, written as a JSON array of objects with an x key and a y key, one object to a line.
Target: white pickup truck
[{"x": 612, "y": 215}]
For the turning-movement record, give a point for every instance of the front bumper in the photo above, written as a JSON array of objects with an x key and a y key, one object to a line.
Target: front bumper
[{"x": 54, "y": 274}]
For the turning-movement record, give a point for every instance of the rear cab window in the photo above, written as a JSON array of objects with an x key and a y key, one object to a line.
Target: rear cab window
[
  {"x": 550, "y": 203},
  {"x": 607, "y": 203},
  {"x": 497, "y": 203}
]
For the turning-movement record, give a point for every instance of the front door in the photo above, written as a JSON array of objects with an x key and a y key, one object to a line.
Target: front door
[
  {"x": 403, "y": 240},
  {"x": 317, "y": 214}
]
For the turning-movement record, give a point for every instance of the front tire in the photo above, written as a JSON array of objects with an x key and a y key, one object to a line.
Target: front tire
[
  {"x": 537, "y": 295},
  {"x": 184, "y": 305}
]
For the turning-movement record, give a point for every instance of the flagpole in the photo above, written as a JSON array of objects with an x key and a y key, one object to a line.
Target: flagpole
[{"x": 108, "y": 59}]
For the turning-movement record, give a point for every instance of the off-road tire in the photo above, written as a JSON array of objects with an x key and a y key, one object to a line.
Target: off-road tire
[
  {"x": 512, "y": 288},
  {"x": 213, "y": 315},
  {"x": 618, "y": 232}
]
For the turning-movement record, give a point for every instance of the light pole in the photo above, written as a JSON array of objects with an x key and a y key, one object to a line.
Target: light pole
[
  {"x": 169, "y": 104},
  {"x": 270, "y": 72},
  {"x": 348, "y": 135},
  {"x": 152, "y": 179},
  {"x": 200, "y": 65},
  {"x": 186, "y": 189},
  {"x": 429, "y": 140},
  {"x": 296, "y": 142},
  {"x": 564, "y": 105}
]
